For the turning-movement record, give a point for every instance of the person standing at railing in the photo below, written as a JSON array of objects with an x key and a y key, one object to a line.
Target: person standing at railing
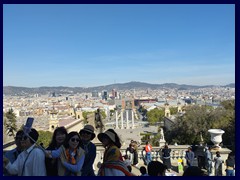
[
  {"x": 208, "y": 160},
  {"x": 218, "y": 164},
  {"x": 230, "y": 165},
  {"x": 189, "y": 157},
  {"x": 135, "y": 152},
  {"x": 148, "y": 149},
  {"x": 129, "y": 151},
  {"x": 87, "y": 135},
  {"x": 166, "y": 157}
]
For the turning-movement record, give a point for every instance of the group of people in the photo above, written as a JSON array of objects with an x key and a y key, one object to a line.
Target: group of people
[
  {"x": 205, "y": 161},
  {"x": 68, "y": 154},
  {"x": 73, "y": 154}
]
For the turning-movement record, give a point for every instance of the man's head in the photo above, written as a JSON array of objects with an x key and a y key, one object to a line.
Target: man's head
[
  {"x": 28, "y": 140},
  {"x": 156, "y": 168}
]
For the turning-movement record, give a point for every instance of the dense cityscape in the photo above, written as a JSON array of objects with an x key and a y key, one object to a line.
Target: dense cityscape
[{"x": 40, "y": 106}]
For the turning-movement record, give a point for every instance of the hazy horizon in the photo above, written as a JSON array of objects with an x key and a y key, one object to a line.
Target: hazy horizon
[{"x": 121, "y": 83}]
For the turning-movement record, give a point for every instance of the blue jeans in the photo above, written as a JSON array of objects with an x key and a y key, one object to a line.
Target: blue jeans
[
  {"x": 148, "y": 157},
  {"x": 230, "y": 172},
  {"x": 209, "y": 167}
]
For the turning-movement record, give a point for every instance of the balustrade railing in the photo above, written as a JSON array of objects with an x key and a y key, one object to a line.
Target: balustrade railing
[{"x": 176, "y": 153}]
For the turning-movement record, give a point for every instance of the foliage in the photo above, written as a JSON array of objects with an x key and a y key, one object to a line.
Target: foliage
[
  {"x": 112, "y": 112},
  {"x": 103, "y": 114},
  {"x": 85, "y": 116},
  {"x": 10, "y": 122},
  {"x": 173, "y": 110},
  {"x": 155, "y": 115},
  {"x": 45, "y": 138},
  {"x": 199, "y": 119}
]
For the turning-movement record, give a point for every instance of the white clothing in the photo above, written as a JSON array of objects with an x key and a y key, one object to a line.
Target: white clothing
[{"x": 30, "y": 162}]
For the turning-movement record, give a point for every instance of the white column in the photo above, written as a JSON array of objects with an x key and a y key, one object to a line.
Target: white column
[
  {"x": 122, "y": 119},
  {"x": 132, "y": 119},
  {"x": 116, "y": 120},
  {"x": 127, "y": 119}
]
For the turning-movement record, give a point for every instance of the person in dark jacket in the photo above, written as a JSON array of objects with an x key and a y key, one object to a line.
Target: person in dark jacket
[
  {"x": 189, "y": 157},
  {"x": 58, "y": 139},
  {"x": 166, "y": 157},
  {"x": 87, "y": 135},
  {"x": 230, "y": 165}
]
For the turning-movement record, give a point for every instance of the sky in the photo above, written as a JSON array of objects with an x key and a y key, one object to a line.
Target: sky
[{"x": 87, "y": 45}]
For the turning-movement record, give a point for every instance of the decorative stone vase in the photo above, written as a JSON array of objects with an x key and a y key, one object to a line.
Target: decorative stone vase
[{"x": 216, "y": 136}]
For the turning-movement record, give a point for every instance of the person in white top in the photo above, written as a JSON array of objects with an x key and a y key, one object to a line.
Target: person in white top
[{"x": 31, "y": 162}]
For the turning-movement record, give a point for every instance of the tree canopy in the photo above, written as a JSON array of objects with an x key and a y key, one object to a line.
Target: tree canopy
[
  {"x": 199, "y": 119},
  {"x": 10, "y": 122},
  {"x": 155, "y": 115}
]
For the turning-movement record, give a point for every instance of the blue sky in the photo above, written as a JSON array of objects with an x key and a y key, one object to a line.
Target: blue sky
[{"x": 90, "y": 45}]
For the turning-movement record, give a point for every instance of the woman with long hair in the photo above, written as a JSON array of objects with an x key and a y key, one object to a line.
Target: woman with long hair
[
  {"x": 58, "y": 139},
  {"x": 71, "y": 155}
]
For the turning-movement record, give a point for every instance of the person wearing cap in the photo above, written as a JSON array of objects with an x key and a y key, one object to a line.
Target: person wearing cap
[
  {"x": 87, "y": 135},
  {"x": 113, "y": 164},
  {"x": 30, "y": 162}
]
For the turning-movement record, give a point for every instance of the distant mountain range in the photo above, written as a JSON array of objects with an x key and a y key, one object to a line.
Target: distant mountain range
[{"x": 13, "y": 90}]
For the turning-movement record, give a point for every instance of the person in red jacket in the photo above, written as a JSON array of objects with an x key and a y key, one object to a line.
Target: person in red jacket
[{"x": 148, "y": 149}]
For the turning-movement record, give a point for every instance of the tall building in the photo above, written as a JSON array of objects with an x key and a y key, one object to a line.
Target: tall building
[
  {"x": 94, "y": 94},
  {"x": 105, "y": 95}
]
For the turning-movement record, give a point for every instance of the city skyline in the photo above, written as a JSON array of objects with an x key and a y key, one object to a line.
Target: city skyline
[{"x": 92, "y": 45}]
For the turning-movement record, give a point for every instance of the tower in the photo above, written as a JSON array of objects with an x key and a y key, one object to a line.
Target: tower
[
  {"x": 179, "y": 107},
  {"x": 167, "y": 110},
  {"x": 53, "y": 121}
]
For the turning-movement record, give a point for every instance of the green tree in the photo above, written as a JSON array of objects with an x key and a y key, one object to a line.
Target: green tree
[
  {"x": 86, "y": 115},
  {"x": 103, "y": 114},
  {"x": 10, "y": 122},
  {"x": 173, "y": 110},
  {"x": 155, "y": 115},
  {"x": 199, "y": 119},
  {"x": 187, "y": 127},
  {"x": 45, "y": 138}
]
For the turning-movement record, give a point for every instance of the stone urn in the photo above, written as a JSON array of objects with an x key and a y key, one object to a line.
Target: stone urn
[{"x": 216, "y": 136}]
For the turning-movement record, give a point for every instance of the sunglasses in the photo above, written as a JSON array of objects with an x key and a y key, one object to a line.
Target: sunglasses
[{"x": 75, "y": 139}]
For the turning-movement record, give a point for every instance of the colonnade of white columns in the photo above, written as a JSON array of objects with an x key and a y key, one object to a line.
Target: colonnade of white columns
[{"x": 127, "y": 120}]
